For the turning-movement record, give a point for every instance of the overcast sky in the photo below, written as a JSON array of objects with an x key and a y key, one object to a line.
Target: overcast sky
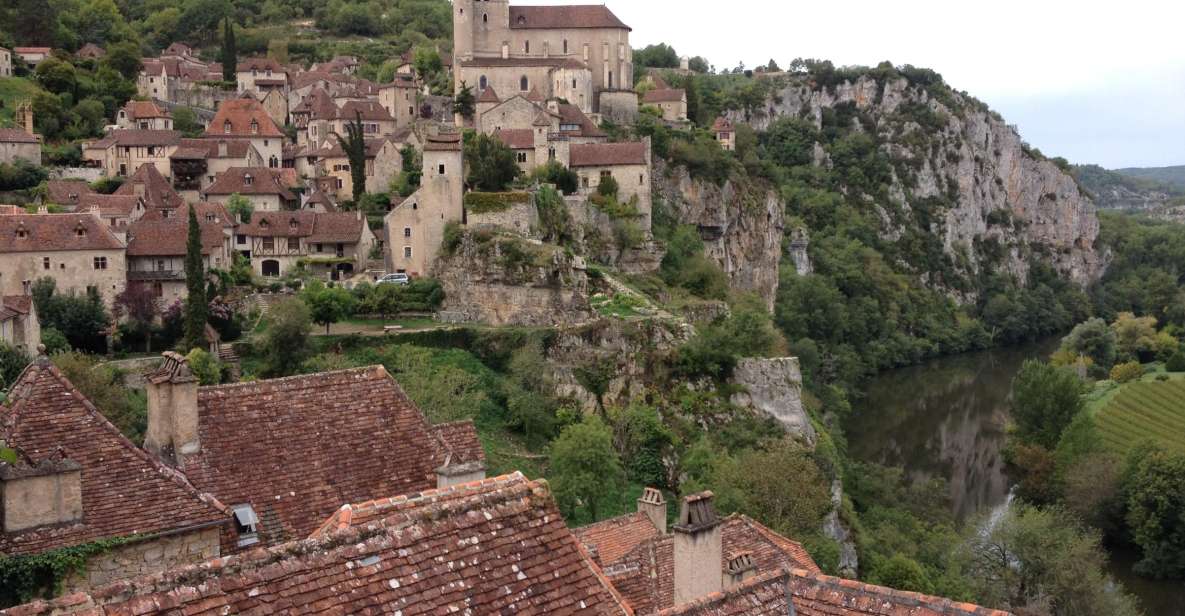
[{"x": 1093, "y": 82}]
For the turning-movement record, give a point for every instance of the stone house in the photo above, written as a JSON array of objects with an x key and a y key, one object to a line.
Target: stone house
[
  {"x": 19, "y": 325},
  {"x": 77, "y": 250},
  {"x": 332, "y": 244},
  {"x": 312, "y": 116},
  {"x": 672, "y": 102},
  {"x": 5, "y": 62},
  {"x": 32, "y": 55},
  {"x": 549, "y": 46},
  {"x": 539, "y": 132},
  {"x": 414, "y": 229},
  {"x": 183, "y": 80},
  {"x": 628, "y": 163},
  {"x": 150, "y": 185},
  {"x": 196, "y": 163},
  {"x": 66, "y": 193},
  {"x": 122, "y": 152},
  {"x": 259, "y": 76},
  {"x": 376, "y": 121},
  {"x": 16, "y": 143},
  {"x": 383, "y": 163},
  {"x": 401, "y": 100},
  {"x": 156, "y": 250},
  {"x": 77, "y": 480},
  {"x": 725, "y": 134},
  {"x": 116, "y": 211},
  {"x": 246, "y": 118},
  {"x": 144, "y": 115},
  {"x": 266, "y": 189}
]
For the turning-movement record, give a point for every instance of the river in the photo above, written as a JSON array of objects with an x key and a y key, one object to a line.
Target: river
[{"x": 945, "y": 418}]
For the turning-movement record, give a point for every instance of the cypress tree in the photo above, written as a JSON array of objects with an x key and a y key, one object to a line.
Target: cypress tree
[
  {"x": 195, "y": 284},
  {"x": 230, "y": 53},
  {"x": 354, "y": 145}
]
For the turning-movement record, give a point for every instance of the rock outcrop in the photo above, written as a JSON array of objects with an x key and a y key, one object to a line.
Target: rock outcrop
[
  {"x": 995, "y": 192},
  {"x": 742, "y": 226},
  {"x": 774, "y": 387}
]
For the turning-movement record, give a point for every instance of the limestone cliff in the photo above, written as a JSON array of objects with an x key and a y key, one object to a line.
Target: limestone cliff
[
  {"x": 742, "y": 226},
  {"x": 995, "y": 203}
]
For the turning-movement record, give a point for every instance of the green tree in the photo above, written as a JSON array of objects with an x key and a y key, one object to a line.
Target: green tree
[
  {"x": 426, "y": 62},
  {"x": 240, "y": 208},
  {"x": 205, "y": 367},
  {"x": 656, "y": 56},
  {"x": 1155, "y": 496},
  {"x": 57, "y": 75},
  {"x": 105, "y": 388},
  {"x": 124, "y": 58},
  {"x": 328, "y": 305},
  {"x": 12, "y": 362},
  {"x": 1040, "y": 561},
  {"x": 492, "y": 166},
  {"x": 196, "y": 307},
  {"x": 781, "y": 486},
  {"x": 556, "y": 173},
  {"x": 354, "y": 145},
  {"x": 585, "y": 470},
  {"x": 1135, "y": 337},
  {"x": 1093, "y": 339},
  {"x": 1045, "y": 399},
  {"x": 646, "y": 444},
  {"x": 465, "y": 104},
  {"x": 284, "y": 345},
  {"x": 230, "y": 52},
  {"x": 594, "y": 376},
  {"x": 186, "y": 121},
  {"x": 82, "y": 320}
]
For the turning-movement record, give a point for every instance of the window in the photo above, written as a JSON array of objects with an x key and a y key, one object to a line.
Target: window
[
  {"x": 407, "y": 232},
  {"x": 254, "y": 127},
  {"x": 485, "y": 18},
  {"x": 226, "y": 127},
  {"x": 318, "y": 247},
  {"x": 610, "y": 85},
  {"x": 246, "y": 525},
  {"x": 482, "y": 83},
  {"x": 269, "y": 243},
  {"x": 158, "y": 289},
  {"x": 522, "y": 157},
  {"x": 241, "y": 239},
  {"x": 565, "y": 46},
  {"x": 440, "y": 169},
  {"x": 160, "y": 265},
  {"x": 44, "y": 262},
  {"x": 586, "y": 51},
  {"x": 526, "y": 46},
  {"x": 293, "y": 243},
  {"x": 524, "y": 84},
  {"x": 100, "y": 263},
  {"x": 407, "y": 252},
  {"x": 641, "y": 179},
  {"x": 551, "y": 153},
  {"x": 248, "y": 180}
]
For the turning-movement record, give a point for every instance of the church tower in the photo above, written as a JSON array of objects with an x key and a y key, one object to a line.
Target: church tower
[{"x": 463, "y": 11}]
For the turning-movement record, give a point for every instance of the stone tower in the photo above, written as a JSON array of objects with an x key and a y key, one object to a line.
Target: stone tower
[
  {"x": 23, "y": 116},
  {"x": 462, "y": 30},
  {"x": 480, "y": 27}
]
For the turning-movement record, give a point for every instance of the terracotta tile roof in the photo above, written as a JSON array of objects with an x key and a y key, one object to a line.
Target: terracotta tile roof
[
  {"x": 607, "y": 154},
  {"x": 815, "y": 594},
  {"x": 138, "y": 110},
  {"x": 534, "y": 96},
  {"x": 517, "y": 138},
  {"x": 32, "y": 49},
  {"x": 722, "y": 125},
  {"x": 488, "y": 96},
  {"x": 572, "y": 115},
  {"x": 673, "y": 95},
  {"x": 279, "y": 224},
  {"x": 111, "y": 206},
  {"x": 299, "y": 447},
  {"x": 135, "y": 137},
  {"x": 260, "y": 65},
  {"x": 158, "y": 192},
  {"x": 562, "y": 17},
  {"x": 614, "y": 538},
  {"x": 496, "y": 61},
  {"x": 308, "y": 78},
  {"x": 207, "y": 148},
  {"x": 16, "y": 135},
  {"x": 460, "y": 439},
  {"x": 443, "y": 142},
  {"x": 250, "y": 181},
  {"x": 320, "y": 197},
  {"x": 66, "y": 192},
  {"x": 178, "y": 49},
  {"x": 318, "y": 104},
  {"x": 369, "y": 110},
  {"x": 55, "y": 232},
  {"x": 20, "y": 304},
  {"x": 170, "y": 237},
  {"x": 339, "y": 227},
  {"x": 124, "y": 490},
  {"x": 502, "y": 549},
  {"x": 763, "y": 595},
  {"x": 239, "y": 112},
  {"x": 206, "y": 211}
]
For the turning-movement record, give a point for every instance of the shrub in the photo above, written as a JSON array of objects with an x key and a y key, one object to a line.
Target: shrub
[
  {"x": 205, "y": 367},
  {"x": 608, "y": 187},
  {"x": 1125, "y": 373},
  {"x": 489, "y": 202},
  {"x": 1176, "y": 363},
  {"x": 553, "y": 172}
]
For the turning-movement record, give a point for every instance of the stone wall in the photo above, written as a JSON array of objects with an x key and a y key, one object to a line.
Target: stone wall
[
  {"x": 619, "y": 107},
  {"x": 774, "y": 387},
  {"x": 520, "y": 218},
  {"x": 146, "y": 557}
]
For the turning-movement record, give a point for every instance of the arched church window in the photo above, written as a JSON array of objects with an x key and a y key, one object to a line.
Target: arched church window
[{"x": 523, "y": 84}]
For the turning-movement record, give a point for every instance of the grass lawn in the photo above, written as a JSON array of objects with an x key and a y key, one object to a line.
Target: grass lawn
[
  {"x": 13, "y": 91},
  {"x": 1148, "y": 409}
]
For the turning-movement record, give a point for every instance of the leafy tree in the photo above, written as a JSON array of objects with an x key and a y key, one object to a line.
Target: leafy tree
[
  {"x": 205, "y": 367},
  {"x": 230, "y": 52},
  {"x": 186, "y": 121},
  {"x": 1040, "y": 561},
  {"x": 1176, "y": 362},
  {"x": 21, "y": 174},
  {"x": 137, "y": 302},
  {"x": 426, "y": 62},
  {"x": 1155, "y": 497},
  {"x": 328, "y": 305},
  {"x": 440, "y": 383},
  {"x": 240, "y": 208},
  {"x": 781, "y": 486},
  {"x": 789, "y": 142},
  {"x": 196, "y": 306},
  {"x": 556, "y": 173},
  {"x": 1093, "y": 339},
  {"x": 656, "y": 56},
  {"x": 646, "y": 444},
  {"x": 903, "y": 573},
  {"x": 124, "y": 58},
  {"x": 57, "y": 75},
  {"x": 1127, "y": 372},
  {"x": 82, "y": 320},
  {"x": 12, "y": 362},
  {"x": 412, "y": 168},
  {"x": 105, "y": 388},
  {"x": 284, "y": 345},
  {"x": 1134, "y": 336},
  {"x": 585, "y": 470},
  {"x": 492, "y": 166},
  {"x": 554, "y": 220},
  {"x": 1045, "y": 399},
  {"x": 354, "y": 145},
  {"x": 608, "y": 187},
  {"x": 465, "y": 104},
  {"x": 747, "y": 332},
  {"x": 595, "y": 376}
]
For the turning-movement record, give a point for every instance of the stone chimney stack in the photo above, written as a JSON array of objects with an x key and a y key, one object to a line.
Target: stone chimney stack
[
  {"x": 739, "y": 568},
  {"x": 698, "y": 549},
  {"x": 138, "y": 189},
  {"x": 172, "y": 411},
  {"x": 654, "y": 506},
  {"x": 222, "y": 149}
]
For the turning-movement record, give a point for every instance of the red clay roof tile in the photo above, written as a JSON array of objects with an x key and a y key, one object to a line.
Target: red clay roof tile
[
  {"x": 607, "y": 154},
  {"x": 55, "y": 232}
]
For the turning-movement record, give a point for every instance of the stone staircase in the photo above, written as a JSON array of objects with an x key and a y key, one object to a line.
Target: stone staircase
[{"x": 230, "y": 358}]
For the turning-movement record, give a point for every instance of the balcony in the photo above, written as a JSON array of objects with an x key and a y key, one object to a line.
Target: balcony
[{"x": 156, "y": 276}]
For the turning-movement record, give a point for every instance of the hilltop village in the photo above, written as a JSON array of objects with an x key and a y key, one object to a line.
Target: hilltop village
[{"x": 503, "y": 198}]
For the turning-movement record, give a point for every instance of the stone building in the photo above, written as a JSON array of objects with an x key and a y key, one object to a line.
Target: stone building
[
  {"x": 16, "y": 143},
  {"x": 259, "y": 76},
  {"x": 122, "y": 152},
  {"x": 77, "y": 250},
  {"x": 563, "y": 51},
  {"x": 401, "y": 99},
  {"x": 32, "y": 55},
  {"x": 144, "y": 115},
  {"x": 76, "y": 481},
  {"x": 150, "y": 185},
  {"x": 414, "y": 229},
  {"x": 628, "y": 163},
  {"x": 383, "y": 163},
  {"x": 267, "y": 189},
  {"x": 116, "y": 211},
  {"x": 156, "y": 250},
  {"x": 246, "y": 118},
  {"x": 196, "y": 163},
  {"x": 19, "y": 325},
  {"x": 66, "y": 193},
  {"x": 725, "y": 134},
  {"x": 672, "y": 102},
  {"x": 5, "y": 62},
  {"x": 334, "y": 245}
]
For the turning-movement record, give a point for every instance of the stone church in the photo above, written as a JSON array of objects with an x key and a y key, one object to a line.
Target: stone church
[{"x": 578, "y": 53}]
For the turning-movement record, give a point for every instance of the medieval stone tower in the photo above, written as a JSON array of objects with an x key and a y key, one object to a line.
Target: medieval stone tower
[{"x": 480, "y": 27}]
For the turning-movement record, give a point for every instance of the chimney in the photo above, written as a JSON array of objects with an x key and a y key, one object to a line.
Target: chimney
[
  {"x": 453, "y": 474},
  {"x": 739, "y": 568},
  {"x": 698, "y": 549},
  {"x": 505, "y": 50},
  {"x": 553, "y": 105},
  {"x": 43, "y": 494},
  {"x": 654, "y": 506},
  {"x": 221, "y": 149},
  {"x": 172, "y": 411}
]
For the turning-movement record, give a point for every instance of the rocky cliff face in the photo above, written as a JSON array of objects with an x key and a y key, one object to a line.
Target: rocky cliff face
[
  {"x": 994, "y": 189},
  {"x": 742, "y": 226},
  {"x": 774, "y": 387}
]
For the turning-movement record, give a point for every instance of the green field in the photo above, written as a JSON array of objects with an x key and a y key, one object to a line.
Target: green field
[
  {"x": 13, "y": 91},
  {"x": 1148, "y": 410}
]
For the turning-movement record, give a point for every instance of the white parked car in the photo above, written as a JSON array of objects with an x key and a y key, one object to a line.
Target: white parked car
[{"x": 395, "y": 279}]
